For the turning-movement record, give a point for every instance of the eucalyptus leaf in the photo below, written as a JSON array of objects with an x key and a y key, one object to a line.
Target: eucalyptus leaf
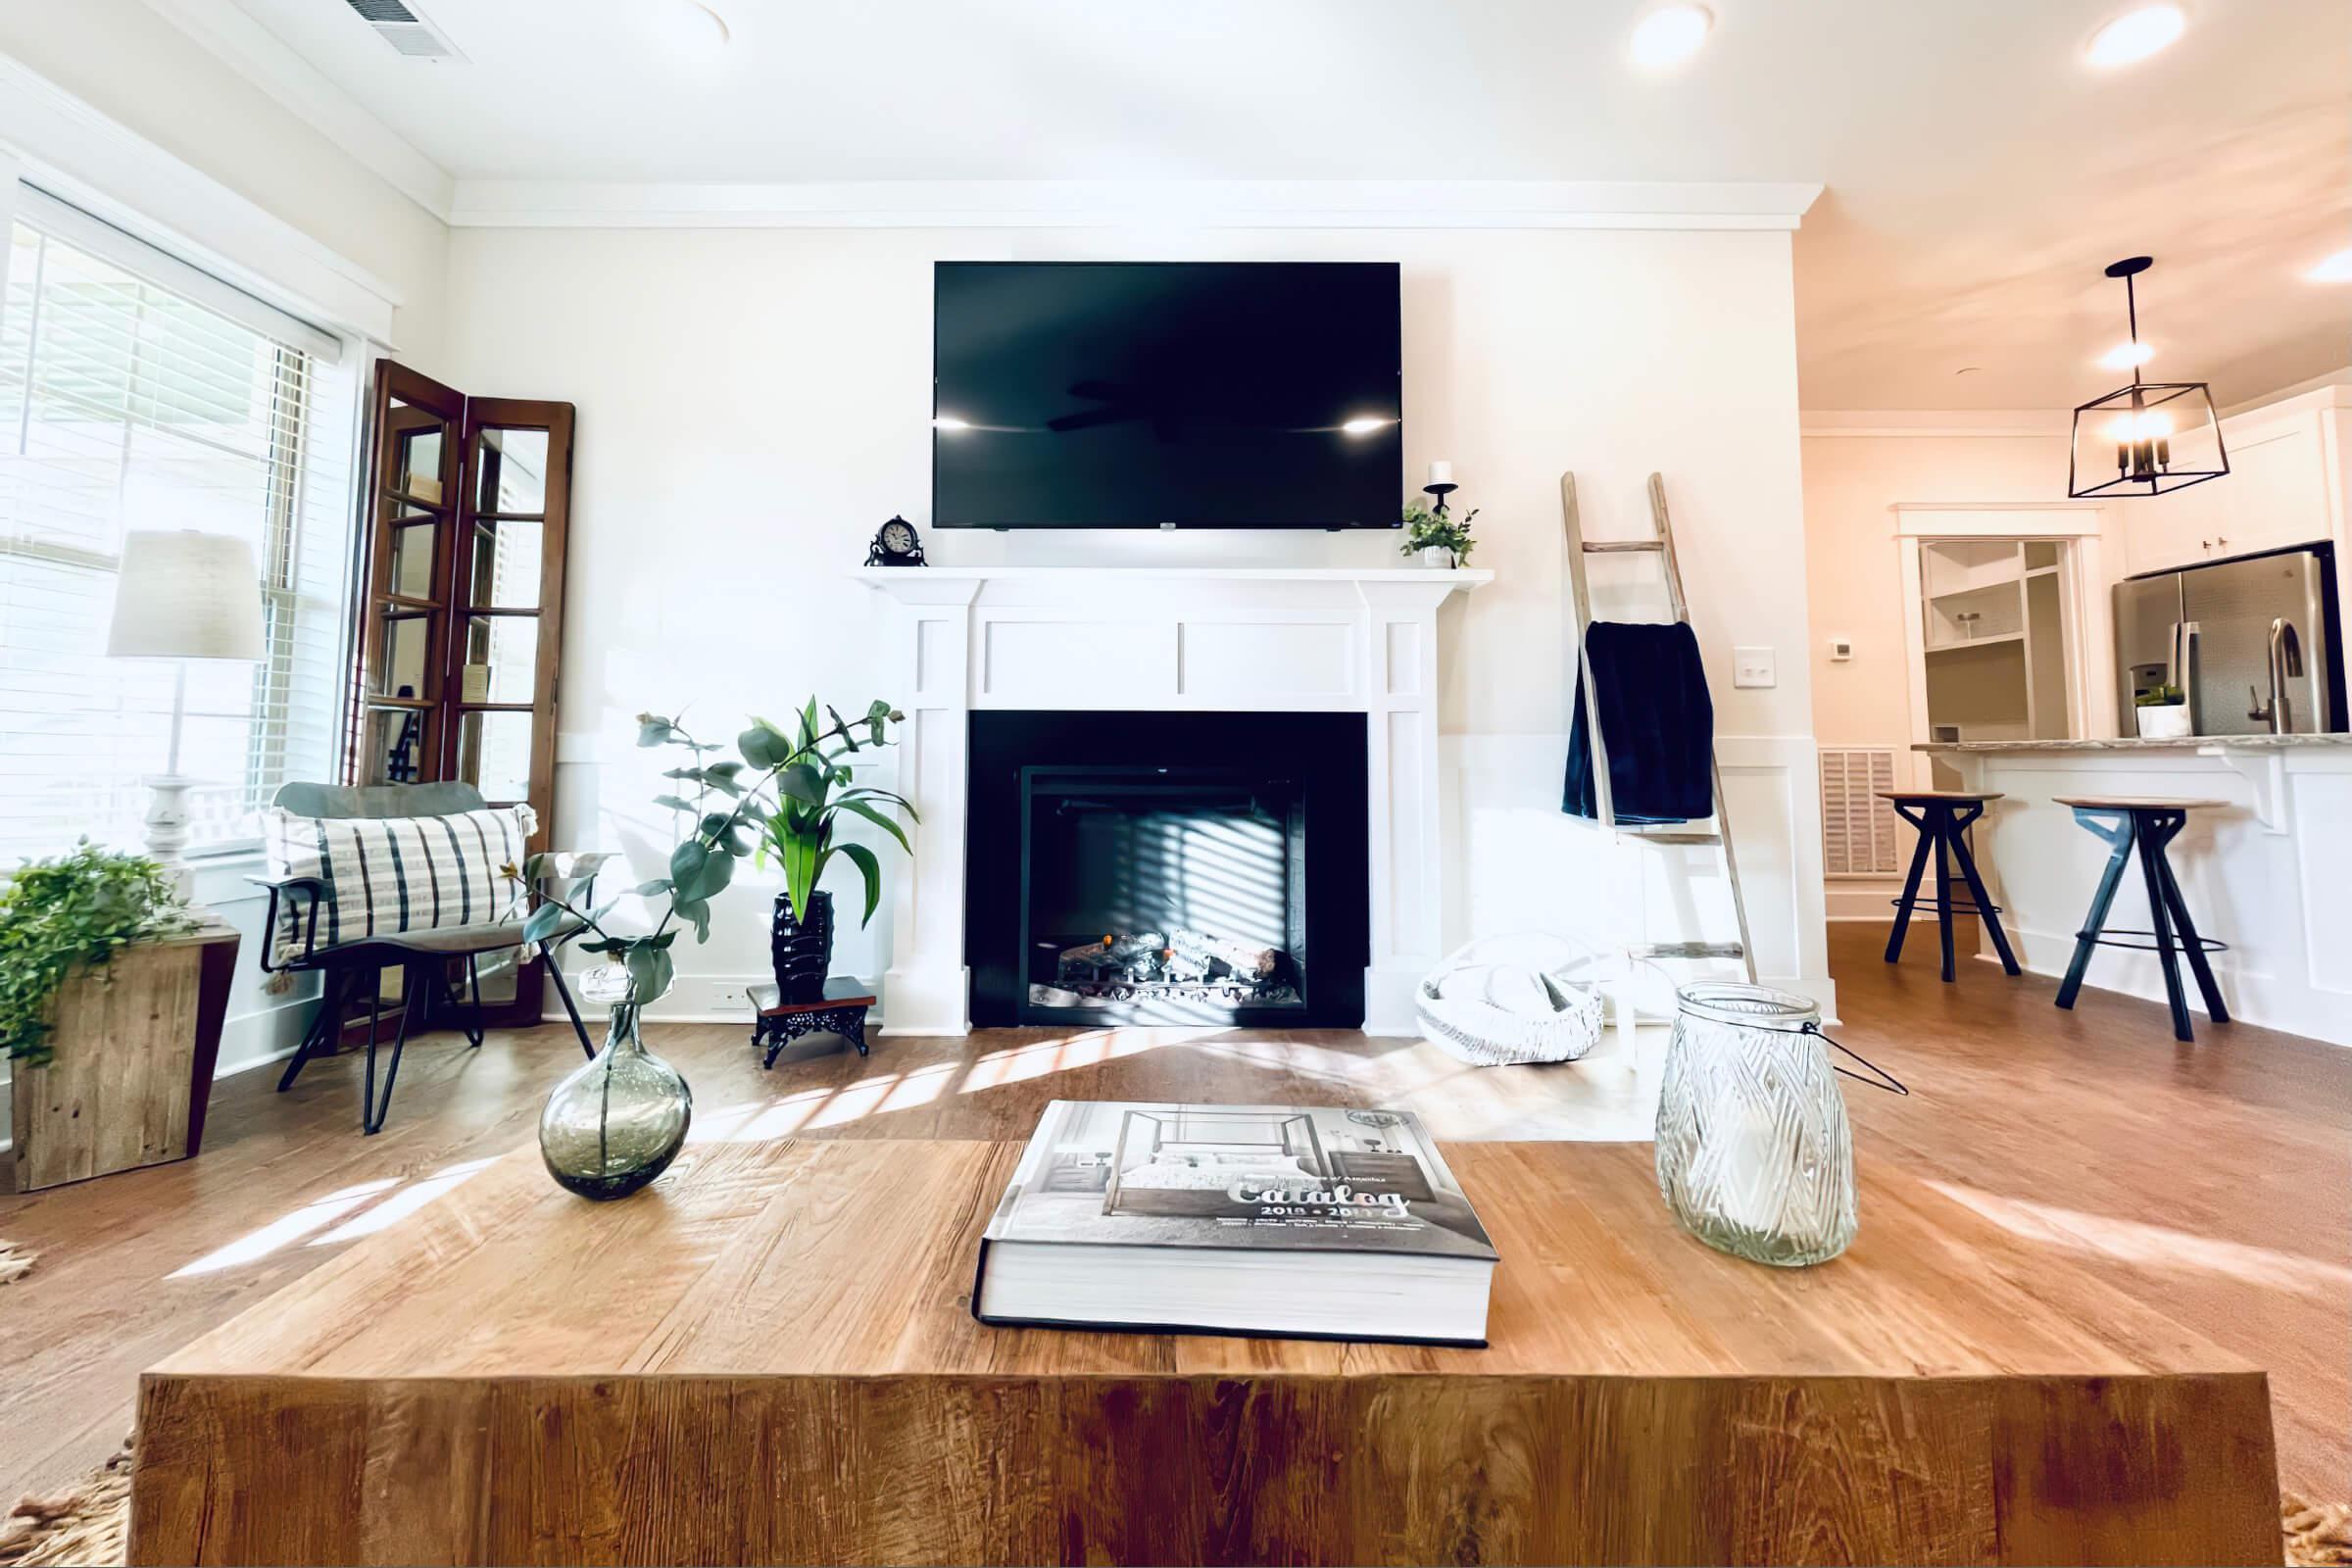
[
  {"x": 674, "y": 803},
  {"x": 653, "y": 889},
  {"x": 801, "y": 783},
  {"x": 654, "y": 730},
  {"x": 543, "y": 922},
  {"x": 649, "y": 973}
]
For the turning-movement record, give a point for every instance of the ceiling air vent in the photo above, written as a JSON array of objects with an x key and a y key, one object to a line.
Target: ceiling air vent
[{"x": 401, "y": 26}]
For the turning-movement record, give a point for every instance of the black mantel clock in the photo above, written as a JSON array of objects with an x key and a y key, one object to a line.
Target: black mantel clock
[{"x": 895, "y": 544}]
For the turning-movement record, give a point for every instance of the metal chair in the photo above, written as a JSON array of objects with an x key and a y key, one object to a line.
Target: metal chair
[
  {"x": 423, "y": 958},
  {"x": 1942, "y": 817},
  {"x": 2143, "y": 827}
]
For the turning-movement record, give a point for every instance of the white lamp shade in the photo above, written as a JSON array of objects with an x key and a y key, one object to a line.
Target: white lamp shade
[{"x": 187, "y": 595}]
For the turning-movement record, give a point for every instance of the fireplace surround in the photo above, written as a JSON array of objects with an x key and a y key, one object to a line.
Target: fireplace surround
[
  {"x": 969, "y": 641},
  {"x": 1167, "y": 867}
]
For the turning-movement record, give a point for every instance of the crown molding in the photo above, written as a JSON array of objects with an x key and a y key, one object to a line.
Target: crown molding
[
  {"x": 1924, "y": 423},
  {"x": 1113, "y": 204},
  {"x": 251, "y": 50},
  {"x": 87, "y": 158}
]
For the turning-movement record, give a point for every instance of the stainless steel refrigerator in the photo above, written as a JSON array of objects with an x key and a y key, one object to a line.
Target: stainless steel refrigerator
[{"x": 2256, "y": 644}]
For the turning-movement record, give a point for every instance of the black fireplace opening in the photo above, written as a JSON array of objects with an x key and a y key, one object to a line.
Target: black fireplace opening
[{"x": 1135, "y": 868}]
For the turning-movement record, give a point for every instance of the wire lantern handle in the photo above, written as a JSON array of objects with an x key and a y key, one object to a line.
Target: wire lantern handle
[{"x": 1879, "y": 1077}]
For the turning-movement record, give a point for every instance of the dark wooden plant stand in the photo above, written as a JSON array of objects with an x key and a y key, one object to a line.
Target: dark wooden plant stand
[{"x": 841, "y": 1011}]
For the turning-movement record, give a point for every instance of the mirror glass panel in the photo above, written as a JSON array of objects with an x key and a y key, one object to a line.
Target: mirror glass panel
[
  {"x": 502, "y": 656},
  {"x": 514, "y": 472},
  {"x": 412, "y": 574},
  {"x": 506, "y": 565},
  {"x": 494, "y": 755},
  {"x": 401, "y": 670},
  {"x": 395, "y": 745}
]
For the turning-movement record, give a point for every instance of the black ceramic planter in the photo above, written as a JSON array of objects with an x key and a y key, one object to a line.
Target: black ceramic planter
[{"x": 802, "y": 949}]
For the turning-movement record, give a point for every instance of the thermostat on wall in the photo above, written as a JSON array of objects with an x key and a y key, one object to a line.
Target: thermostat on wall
[{"x": 1842, "y": 649}]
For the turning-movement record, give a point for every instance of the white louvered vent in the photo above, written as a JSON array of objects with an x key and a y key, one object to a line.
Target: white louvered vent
[
  {"x": 405, "y": 29},
  {"x": 1859, "y": 832}
]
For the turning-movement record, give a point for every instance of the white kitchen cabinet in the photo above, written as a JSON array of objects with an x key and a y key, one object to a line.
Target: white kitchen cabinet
[{"x": 2275, "y": 494}]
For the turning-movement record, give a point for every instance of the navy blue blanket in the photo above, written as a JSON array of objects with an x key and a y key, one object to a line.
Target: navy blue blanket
[{"x": 1659, "y": 722}]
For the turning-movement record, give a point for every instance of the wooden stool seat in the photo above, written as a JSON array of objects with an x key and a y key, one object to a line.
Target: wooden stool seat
[
  {"x": 841, "y": 1011},
  {"x": 1960, "y": 796},
  {"x": 1942, "y": 817},
  {"x": 2141, "y": 828}
]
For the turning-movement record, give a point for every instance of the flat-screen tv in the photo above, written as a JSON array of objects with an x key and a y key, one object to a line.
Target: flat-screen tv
[{"x": 1165, "y": 394}]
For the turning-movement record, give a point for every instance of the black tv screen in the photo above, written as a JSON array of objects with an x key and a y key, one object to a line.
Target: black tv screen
[{"x": 1151, "y": 394}]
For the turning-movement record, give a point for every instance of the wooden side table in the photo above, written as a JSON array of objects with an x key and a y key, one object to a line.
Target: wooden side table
[{"x": 841, "y": 1011}]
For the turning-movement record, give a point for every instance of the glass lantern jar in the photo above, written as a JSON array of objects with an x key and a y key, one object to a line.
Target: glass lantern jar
[{"x": 1754, "y": 1154}]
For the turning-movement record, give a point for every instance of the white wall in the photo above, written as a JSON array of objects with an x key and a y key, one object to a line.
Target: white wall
[{"x": 754, "y": 403}]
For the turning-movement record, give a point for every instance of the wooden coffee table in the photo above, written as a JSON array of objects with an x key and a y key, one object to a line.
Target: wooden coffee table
[{"x": 769, "y": 1357}]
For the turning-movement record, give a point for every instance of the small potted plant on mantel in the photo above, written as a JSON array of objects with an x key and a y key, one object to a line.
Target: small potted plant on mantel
[
  {"x": 112, "y": 994},
  {"x": 2163, "y": 714},
  {"x": 1438, "y": 536}
]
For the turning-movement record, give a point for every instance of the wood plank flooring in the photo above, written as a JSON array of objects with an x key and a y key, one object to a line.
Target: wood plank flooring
[{"x": 2210, "y": 1179}]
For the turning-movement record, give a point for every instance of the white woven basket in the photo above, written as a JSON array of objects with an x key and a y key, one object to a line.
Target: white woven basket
[{"x": 1480, "y": 1033}]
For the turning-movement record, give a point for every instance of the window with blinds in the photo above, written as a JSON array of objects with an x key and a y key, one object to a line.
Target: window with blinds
[{"x": 137, "y": 393}]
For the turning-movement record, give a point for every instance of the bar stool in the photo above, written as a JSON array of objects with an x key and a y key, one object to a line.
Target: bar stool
[
  {"x": 2144, "y": 824},
  {"x": 1942, "y": 817}
]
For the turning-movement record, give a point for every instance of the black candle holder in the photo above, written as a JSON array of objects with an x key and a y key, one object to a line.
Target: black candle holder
[{"x": 1440, "y": 491}]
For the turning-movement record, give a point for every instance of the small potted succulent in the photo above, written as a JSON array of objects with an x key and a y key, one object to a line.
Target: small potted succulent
[
  {"x": 1438, "y": 536},
  {"x": 2163, "y": 714}
]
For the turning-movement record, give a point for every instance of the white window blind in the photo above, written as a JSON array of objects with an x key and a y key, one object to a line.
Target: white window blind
[{"x": 126, "y": 403}]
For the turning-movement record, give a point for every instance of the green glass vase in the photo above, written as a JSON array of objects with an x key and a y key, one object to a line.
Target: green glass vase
[{"x": 617, "y": 1122}]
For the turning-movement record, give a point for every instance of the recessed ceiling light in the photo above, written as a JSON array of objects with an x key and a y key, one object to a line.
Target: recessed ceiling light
[
  {"x": 1363, "y": 424},
  {"x": 2336, "y": 268},
  {"x": 949, "y": 421},
  {"x": 2135, "y": 35},
  {"x": 1670, "y": 36},
  {"x": 2124, "y": 355}
]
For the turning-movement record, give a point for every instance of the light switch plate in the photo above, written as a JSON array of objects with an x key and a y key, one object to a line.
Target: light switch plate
[{"x": 1754, "y": 666}]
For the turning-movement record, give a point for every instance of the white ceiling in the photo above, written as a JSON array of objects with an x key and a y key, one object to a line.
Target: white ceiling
[{"x": 1979, "y": 175}]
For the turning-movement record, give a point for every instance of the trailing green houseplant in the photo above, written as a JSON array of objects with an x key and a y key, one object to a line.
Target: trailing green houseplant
[
  {"x": 780, "y": 775},
  {"x": 615, "y": 1124},
  {"x": 1427, "y": 528},
  {"x": 2159, "y": 696},
  {"x": 76, "y": 909}
]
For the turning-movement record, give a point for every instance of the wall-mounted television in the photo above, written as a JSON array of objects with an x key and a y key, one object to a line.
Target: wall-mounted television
[{"x": 1165, "y": 394}]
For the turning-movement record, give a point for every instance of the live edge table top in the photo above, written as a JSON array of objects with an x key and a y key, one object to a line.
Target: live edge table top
[{"x": 769, "y": 1355}]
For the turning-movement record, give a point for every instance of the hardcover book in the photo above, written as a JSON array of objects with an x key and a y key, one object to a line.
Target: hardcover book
[{"x": 1296, "y": 1221}]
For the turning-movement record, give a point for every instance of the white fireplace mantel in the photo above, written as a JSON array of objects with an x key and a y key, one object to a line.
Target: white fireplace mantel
[{"x": 1316, "y": 639}]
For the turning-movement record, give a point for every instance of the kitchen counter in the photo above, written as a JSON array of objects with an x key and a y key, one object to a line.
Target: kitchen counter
[
  {"x": 2269, "y": 872},
  {"x": 2140, "y": 743}
]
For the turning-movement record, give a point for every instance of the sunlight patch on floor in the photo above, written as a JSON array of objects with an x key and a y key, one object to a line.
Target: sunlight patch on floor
[
  {"x": 404, "y": 1202},
  {"x": 2153, "y": 1246},
  {"x": 285, "y": 1230}
]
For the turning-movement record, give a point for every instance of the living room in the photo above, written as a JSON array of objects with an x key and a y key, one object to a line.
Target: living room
[{"x": 690, "y": 640}]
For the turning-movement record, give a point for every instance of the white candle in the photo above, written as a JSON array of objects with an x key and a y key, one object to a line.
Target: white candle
[{"x": 1441, "y": 472}]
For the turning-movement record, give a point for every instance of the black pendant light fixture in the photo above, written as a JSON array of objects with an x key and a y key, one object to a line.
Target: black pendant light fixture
[{"x": 2149, "y": 437}]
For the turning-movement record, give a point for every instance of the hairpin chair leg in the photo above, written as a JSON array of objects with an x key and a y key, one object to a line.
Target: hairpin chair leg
[
  {"x": 372, "y": 1110},
  {"x": 554, "y": 972},
  {"x": 331, "y": 997}
]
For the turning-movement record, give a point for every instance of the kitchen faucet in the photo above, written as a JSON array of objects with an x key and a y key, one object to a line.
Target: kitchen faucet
[{"x": 2286, "y": 664}]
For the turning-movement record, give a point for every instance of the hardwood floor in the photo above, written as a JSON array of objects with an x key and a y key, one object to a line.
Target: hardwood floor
[{"x": 2210, "y": 1180}]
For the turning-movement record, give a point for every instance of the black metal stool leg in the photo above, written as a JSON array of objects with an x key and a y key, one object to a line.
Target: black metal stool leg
[
  {"x": 1985, "y": 910},
  {"x": 2151, "y": 835},
  {"x": 2118, "y": 839},
  {"x": 321, "y": 1029},
  {"x": 2191, "y": 942},
  {"x": 1943, "y": 820},
  {"x": 371, "y": 1110},
  {"x": 1903, "y": 905}
]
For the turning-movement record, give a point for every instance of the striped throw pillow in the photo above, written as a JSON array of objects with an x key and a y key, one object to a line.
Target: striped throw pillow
[{"x": 388, "y": 876}]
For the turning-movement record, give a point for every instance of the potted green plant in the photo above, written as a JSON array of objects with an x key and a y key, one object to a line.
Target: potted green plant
[
  {"x": 2163, "y": 714},
  {"x": 104, "y": 1014},
  {"x": 616, "y": 1123},
  {"x": 1438, "y": 536},
  {"x": 800, "y": 835}
]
